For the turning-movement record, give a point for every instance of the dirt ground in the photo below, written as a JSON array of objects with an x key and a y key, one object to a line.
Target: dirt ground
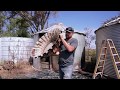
[
  {"x": 19, "y": 70},
  {"x": 23, "y": 70}
]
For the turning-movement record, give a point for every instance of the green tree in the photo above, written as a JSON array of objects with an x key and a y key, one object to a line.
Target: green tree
[
  {"x": 2, "y": 22},
  {"x": 37, "y": 20},
  {"x": 22, "y": 28},
  {"x": 17, "y": 27}
]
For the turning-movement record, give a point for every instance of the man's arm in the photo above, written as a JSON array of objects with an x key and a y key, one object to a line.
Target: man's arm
[{"x": 69, "y": 47}]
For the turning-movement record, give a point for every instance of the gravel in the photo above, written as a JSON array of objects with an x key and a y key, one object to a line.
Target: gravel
[{"x": 47, "y": 74}]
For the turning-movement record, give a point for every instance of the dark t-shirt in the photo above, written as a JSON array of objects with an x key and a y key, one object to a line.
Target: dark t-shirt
[{"x": 66, "y": 58}]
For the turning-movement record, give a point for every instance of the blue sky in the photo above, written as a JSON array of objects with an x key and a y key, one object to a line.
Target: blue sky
[{"x": 82, "y": 19}]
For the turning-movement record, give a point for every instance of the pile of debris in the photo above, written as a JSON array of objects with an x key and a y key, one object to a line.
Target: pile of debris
[{"x": 8, "y": 65}]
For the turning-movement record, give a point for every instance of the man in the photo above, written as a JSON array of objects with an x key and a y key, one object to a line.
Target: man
[{"x": 66, "y": 56}]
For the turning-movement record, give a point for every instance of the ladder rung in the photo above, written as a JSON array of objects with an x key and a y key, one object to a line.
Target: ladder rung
[
  {"x": 102, "y": 60},
  {"x": 112, "y": 47},
  {"x": 117, "y": 62},
  {"x": 109, "y": 39},
  {"x": 100, "y": 66},
  {"x": 115, "y": 54},
  {"x": 98, "y": 72},
  {"x": 102, "y": 54},
  {"x": 104, "y": 47}
]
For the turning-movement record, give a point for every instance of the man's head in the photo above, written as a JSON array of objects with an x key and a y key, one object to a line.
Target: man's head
[{"x": 69, "y": 32}]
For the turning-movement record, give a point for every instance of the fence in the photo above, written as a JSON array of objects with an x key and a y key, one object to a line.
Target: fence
[{"x": 15, "y": 48}]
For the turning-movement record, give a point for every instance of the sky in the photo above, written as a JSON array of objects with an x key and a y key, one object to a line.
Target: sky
[{"x": 80, "y": 20}]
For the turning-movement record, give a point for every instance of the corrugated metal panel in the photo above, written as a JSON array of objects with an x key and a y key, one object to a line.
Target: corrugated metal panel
[
  {"x": 36, "y": 38},
  {"x": 0, "y": 50},
  {"x": 80, "y": 49},
  {"x": 109, "y": 32},
  {"x": 79, "y": 53},
  {"x": 16, "y": 48},
  {"x": 59, "y": 25},
  {"x": 109, "y": 68}
]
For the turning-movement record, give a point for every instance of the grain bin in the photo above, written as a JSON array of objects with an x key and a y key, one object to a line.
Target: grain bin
[
  {"x": 15, "y": 48},
  {"x": 41, "y": 33},
  {"x": 110, "y": 30},
  {"x": 79, "y": 58},
  {"x": 0, "y": 50},
  {"x": 80, "y": 51}
]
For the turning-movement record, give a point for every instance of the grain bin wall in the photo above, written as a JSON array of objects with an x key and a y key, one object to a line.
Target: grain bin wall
[
  {"x": 15, "y": 48},
  {"x": 79, "y": 58},
  {"x": 0, "y": 50},
  {"x": 108, "y": 32}
]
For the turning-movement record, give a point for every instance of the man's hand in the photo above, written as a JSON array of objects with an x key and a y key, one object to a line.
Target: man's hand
[
  {"x": 69, "y": 47},
  {"x": 61, "y": 36}
]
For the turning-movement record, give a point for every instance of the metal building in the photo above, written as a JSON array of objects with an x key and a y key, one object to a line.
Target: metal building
[
  {"x": 80, "y": 51},
  {"x": 79, "y": 58},
  {"x": 109, "y": 30},
  {"x": 15, "y": 48}
]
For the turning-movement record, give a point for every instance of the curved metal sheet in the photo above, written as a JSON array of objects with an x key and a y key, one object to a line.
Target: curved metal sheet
[{"x": 109, "y": 32}]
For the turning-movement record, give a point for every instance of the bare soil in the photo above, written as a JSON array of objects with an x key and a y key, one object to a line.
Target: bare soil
[
  {"x": 23, "y": 70},
  {"x": 20, "y": 69}
]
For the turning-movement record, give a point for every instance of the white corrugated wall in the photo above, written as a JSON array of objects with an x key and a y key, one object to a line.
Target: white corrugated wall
[
  {"x": 80, "y": 49},
  {"x": 79, "y": 52},
  {"x": 0, "y": 49},
  {"x": 15, "y": 48},
  {"x": 109, "y": 32}
]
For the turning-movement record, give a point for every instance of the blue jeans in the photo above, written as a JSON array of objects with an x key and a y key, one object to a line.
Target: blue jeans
[{"x": 66, "y": 72}]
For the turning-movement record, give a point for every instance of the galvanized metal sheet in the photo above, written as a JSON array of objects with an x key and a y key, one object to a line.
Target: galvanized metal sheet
[
  {"x": 15, "y": 48},
  {"x": 80, "y": 48},
  {"x": 109, "y": 32}
]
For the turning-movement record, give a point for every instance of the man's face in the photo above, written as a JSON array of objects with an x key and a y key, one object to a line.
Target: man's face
[{"x": 68, "y": 34}]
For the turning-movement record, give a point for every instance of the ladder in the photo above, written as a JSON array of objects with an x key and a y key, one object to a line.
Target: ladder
[{"x": 105, "y": 46}]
